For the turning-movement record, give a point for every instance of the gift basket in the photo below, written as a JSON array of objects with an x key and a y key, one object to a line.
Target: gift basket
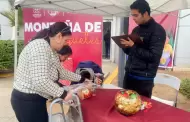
[{"x": 128, "y": 102}]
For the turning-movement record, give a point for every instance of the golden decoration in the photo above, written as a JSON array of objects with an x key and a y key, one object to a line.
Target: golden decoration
[{"x": 127, "y": 102}]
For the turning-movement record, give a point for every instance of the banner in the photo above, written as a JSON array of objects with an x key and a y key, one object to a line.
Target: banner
[
  {"x": 86, "y": 30},
  {"x": 169, "y": 22}
]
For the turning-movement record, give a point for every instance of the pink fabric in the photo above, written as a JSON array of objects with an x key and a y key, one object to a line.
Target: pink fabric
[
  {"x": 101, "y": 109},
  {"x": 86, "y": 45},
  {"x": 68, "y": 64}
]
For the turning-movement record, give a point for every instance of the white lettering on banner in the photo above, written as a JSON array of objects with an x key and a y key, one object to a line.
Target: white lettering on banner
[
  {"x": 36, "y": 27},
  {"x": 97, "y": 27},
  {"x": 37, "y": 13},
  {"x": 75, "y": 27},
  {"x": 45, "y": 25},
  {"x": 28, "y": 27},
  {"x": 69, "y": 24},
  {"x": 53, "y": 13},
  {"x": 88, "y": 27}
]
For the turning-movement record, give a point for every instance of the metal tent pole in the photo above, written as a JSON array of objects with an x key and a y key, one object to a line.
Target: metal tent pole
[
  {"x": 16, "y": 39},
  {"x": 122, "y": 56}
]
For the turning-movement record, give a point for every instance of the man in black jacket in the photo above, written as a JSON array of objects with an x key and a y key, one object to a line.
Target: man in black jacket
[{"x": 143, "y": 60}]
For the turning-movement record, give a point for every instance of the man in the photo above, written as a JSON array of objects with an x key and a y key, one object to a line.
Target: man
[
  {"x": 143, "y": 60},
  {"x": 107, "y": 37}
]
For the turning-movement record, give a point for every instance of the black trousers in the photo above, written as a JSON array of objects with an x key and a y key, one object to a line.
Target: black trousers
[
  {"x": 142, "y": 87},
  {"x": 107, "y": 48},
  {"x": 29, "y": 107}
]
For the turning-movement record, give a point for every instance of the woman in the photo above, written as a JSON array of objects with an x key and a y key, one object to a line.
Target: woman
[
  {"x": 36, "y": 72},
  {"x": 65, "y": 53}
]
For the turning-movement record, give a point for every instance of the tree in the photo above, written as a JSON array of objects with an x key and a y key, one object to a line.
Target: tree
[{"x": 10, "y": 15}]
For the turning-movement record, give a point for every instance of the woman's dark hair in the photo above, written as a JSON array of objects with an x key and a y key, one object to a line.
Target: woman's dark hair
[
  {"x": 53, "y": 30},
  {"x": 141, "y": 5},
  {"x": 65, "y": 50}
]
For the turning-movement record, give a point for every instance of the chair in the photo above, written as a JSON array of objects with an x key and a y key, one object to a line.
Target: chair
[{"x": 168, "y": 80}]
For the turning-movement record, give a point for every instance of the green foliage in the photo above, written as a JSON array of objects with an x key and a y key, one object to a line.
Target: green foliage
[
  {"x": 185, "y": 87},
  {"x": 10, "y": 15},
  {"x": 7, "y": 53}
]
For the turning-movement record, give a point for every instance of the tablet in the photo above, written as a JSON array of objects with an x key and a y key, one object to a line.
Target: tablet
[
  {"x": 134, "y": 37},
  {"x": 117, "y": 40}
]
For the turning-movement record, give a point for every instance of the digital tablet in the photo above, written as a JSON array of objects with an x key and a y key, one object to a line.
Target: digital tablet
[
  {"x": 117, "y": 40},
  {"x": 134, "y": 37}
]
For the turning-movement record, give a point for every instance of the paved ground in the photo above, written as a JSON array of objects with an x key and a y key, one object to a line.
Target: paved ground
[
  {"x": 108, "y": 67},
  {"x": 6, "y": 112}
]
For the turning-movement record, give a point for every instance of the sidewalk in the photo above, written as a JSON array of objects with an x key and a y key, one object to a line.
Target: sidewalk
[
  {"x": 108, "y": 66},
  {"x": 6, "y": 112}
]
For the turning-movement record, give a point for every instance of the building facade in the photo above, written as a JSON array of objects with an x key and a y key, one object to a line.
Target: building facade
[{"x": 6, "y": 31}]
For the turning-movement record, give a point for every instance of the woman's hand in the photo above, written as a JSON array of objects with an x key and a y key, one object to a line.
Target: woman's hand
[
  {"x": 87, "y": 81},
  {"x": 69, "y": 96},
  {"x": 89, "y": 84},
  {"x": 98, "y": 77},
  {"x": 98, "y": 81}
]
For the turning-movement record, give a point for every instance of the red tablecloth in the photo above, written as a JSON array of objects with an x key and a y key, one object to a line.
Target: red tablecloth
[{"x": 101, "y": 109}]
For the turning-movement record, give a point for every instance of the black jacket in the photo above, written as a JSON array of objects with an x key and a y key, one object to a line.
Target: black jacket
[{"x": 143, "y": 60}]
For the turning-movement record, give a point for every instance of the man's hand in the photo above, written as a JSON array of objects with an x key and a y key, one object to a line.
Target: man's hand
[{"x": 127, "y": 43}]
